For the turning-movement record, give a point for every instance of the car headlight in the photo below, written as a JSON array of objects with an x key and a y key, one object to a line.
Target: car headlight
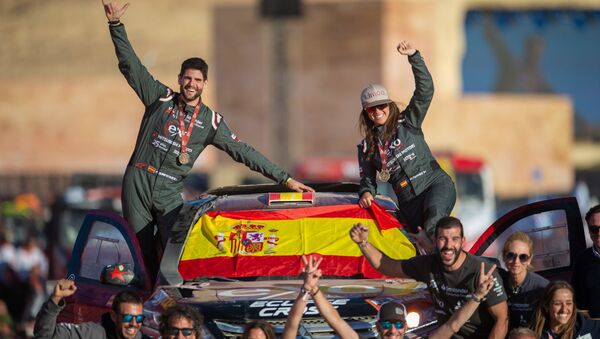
[{"x": 412, "y": 319}]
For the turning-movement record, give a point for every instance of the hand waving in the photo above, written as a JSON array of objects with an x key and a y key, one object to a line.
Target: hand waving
[{"x": 114, "y": 10}]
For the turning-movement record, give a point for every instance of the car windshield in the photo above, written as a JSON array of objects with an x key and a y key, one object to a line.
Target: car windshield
[{"x": 258, "y": 244}]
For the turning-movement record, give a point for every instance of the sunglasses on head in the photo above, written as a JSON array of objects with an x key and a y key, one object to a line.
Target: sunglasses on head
[
  {"x": 127, "y": 318},
  {"x": 174, "y": 331},
  {"x": 381, "y": 107},
  {"x": 513, "y": 256},
  {"x": 386, "y": 325},
  {"x": 594, "y": 229}
]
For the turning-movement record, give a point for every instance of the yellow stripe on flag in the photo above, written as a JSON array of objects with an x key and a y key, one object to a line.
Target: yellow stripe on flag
[{"x": 220, "y": 236}]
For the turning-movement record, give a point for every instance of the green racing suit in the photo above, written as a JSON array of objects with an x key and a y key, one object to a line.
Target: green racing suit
[{"x": 152, "y": 184}]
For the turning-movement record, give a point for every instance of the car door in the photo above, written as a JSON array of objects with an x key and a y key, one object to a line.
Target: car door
[
  {"x": 104, "y": 239},
  {"x": 555, "y": 227}
]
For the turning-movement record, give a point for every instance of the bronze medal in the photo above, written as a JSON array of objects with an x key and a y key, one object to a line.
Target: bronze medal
[
  {"x": 383, "y": 175},
  {"x": 184, "y": 158}
]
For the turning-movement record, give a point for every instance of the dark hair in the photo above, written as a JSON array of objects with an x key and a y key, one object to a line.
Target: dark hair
[
  {"x": 592, "y": 211},
  {"x": 195, "y": 63},
  {"x": 262, "y": 325},
  {"x": 368, "y": 129},
  {"x": 180, "y": 311},
  {"x": 449, "y": 222},
  {"x": 541, "y": 316},
  {"x": 125, "y": 297}
]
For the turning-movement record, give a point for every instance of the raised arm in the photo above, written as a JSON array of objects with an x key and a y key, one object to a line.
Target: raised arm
[
  {"x": 419, "y": 103},
  {"x": 328, "y": 312},
  {"x": 460, "y": 317},
  {"x": 141, "y": 81},
  {"x": 359, "y": 233},
  {"x": 290, "y": 330}
]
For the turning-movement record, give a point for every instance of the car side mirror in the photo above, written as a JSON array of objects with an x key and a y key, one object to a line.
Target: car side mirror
[{"x": 117, "y": 274}]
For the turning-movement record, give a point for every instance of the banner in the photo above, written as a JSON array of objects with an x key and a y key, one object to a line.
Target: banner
[{"x": 271, "y": 243}]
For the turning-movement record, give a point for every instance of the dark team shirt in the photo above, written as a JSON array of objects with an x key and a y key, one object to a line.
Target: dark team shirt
[
  {"x": 586, "y": 282},
  {"x": 523, "y": 300},
  {"x": 450, "y": 290}
]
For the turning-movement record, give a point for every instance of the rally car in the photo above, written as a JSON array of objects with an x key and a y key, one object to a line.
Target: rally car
[{"x": 235, "y": 255}]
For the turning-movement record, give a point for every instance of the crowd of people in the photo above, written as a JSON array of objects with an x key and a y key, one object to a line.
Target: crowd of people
[
  {"x": 23, "y": 275},
  {"x": 472, "y": 298}
]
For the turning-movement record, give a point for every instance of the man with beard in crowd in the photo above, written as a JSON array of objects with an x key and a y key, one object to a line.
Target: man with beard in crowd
[
  {"x": 451, "y": 276},
  {"x": 124, "y": 321}
]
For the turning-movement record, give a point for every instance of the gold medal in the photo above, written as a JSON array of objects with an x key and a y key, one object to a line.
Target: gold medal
[
  {"x": 184, "y": 158},
  {"x": 383, "y": 175}
]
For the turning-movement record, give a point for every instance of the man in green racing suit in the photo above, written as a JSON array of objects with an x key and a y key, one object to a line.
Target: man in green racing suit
[{"x": 175, "y": 129}]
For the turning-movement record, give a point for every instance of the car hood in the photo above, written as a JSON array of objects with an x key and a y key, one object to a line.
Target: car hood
[{"x": 273, "y": 299}]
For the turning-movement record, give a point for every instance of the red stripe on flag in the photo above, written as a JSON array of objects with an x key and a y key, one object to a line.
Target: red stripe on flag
[
  {"x": 383, "y": 219},
  {"x": 251, "y": 266}
]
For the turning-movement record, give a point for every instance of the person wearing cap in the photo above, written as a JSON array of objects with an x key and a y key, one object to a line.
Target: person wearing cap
[
  {"x": 175, "y": 129},
  {"x": 451, "y": 275},
  {"x": 394, "y": 150},
  {"x": 391, "y": 317}
]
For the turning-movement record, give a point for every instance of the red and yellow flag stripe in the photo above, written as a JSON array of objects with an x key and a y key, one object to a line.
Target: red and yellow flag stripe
[{"x": 259, "y": 243}]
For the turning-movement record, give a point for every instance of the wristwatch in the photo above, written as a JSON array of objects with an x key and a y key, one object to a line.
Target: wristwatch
[{"x": 475, "y": 298}]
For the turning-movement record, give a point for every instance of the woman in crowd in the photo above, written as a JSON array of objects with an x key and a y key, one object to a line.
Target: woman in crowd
[
  {"x": 394, "y": 150},
  {"x": 556, "y": 315},
  {"x": 258, "y": 329},
  {"x": 523, "y": 287}
]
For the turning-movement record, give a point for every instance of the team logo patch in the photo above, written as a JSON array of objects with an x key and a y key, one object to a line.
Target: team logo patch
[{"x": 171, "y": 129}]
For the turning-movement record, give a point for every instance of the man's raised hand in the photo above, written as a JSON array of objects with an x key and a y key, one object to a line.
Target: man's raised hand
[
  {"x": 114, "y": 10},
  {"x": 64, "y": 288},
  {"x": 486, "y": 281},
  {"x": 359, "y": 233}
]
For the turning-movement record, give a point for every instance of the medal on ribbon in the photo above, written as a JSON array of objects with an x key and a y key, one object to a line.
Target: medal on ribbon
[
  {"x": 184, "y": 156},
  {"x": 383, "y": 174}
]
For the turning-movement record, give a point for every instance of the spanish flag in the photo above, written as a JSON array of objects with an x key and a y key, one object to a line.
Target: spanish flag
[{"x": 259, "y": 243}]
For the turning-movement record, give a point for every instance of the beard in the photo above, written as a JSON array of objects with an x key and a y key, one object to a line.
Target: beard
[
  {"x": 449, "y": 262},
  {"x": 190, "y": 96}
]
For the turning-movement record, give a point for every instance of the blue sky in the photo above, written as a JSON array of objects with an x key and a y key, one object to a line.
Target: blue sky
[{"x": 570, "y": 61}]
